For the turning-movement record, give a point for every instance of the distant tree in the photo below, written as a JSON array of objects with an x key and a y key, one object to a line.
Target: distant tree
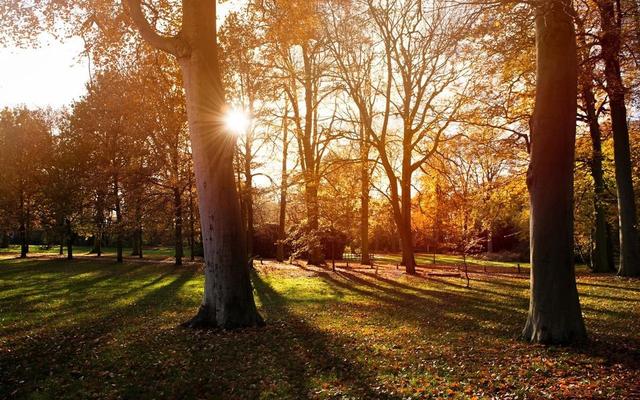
[
  {"x": 601, "y": 255},
  {"x": 64, "y": 184},
  {"x": 250, "y": 93},
  {"x": 26, "y": 145},
  {"x": 421, "y": 92}
]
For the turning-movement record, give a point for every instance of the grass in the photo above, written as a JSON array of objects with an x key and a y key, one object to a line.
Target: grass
[
  {"x": 447, "y": 259},
  {"x": 92, "y": 328},
  {"x": 156, "y": 253}
]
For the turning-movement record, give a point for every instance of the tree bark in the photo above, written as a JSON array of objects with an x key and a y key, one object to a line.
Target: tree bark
[
  {"x": 554, "y": 308},
  {"x": 228, "y": 298},
  {"x": 611, "y": 41}
]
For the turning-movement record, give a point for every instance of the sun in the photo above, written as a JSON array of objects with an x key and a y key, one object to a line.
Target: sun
[{"x": 237, "y": 121}]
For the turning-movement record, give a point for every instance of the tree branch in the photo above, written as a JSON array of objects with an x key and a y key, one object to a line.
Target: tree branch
[{"x": 171, "y": 44}]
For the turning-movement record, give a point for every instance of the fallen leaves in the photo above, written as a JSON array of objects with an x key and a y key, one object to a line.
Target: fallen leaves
[{"x": 354, "y": 334}]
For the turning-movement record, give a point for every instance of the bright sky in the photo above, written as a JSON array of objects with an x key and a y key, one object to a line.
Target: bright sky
[{"x": 52, "y": 75}]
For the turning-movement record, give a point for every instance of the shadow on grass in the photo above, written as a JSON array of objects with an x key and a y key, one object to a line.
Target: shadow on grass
[
  {"x": 465, "y": 310},
  {"x": 58, "y": 351},
  {"x": 311, "y": 348},
  {"x": 320, "y": 352}
]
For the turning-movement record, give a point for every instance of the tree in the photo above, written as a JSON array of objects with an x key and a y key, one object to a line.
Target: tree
[
  {"x": 228, "y": 299},
  {"x": 421, "y": 92},
  {"x": 26, "y": 140},
  {"x": 611, "y": 42},
  {"x": 243, "y": 70},
  {"x": 554, "y": 308},
  {"x": 601, "y": 257}
]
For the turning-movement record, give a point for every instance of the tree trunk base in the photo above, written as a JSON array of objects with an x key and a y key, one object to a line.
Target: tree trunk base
[
  {"x": 206, "y": 319},
  {"x": 560, "y": 331}
]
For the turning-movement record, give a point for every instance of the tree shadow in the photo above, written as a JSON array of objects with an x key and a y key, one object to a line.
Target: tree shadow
[
  {"x": 59, "y": 351},
  {"x": 320, "y": 352}
]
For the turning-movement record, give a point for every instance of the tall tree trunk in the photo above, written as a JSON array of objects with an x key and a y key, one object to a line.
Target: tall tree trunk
[
  {"x": 177, "y": 209},
  {"x": 69, "y": 239},
  {"x": 611, "y": 42},
  {"x": 135, "y": 248},
  {"x": 119, "y": 240},
  {"x": 99, "y": 221},
  {"x": 315, "y": 256},
  {"x": 97, "y": 243},
  {"x": 601, "y": 258},
  {"x": 364, "y": 196},
  {"x": 405, "y": 229},
  {"x": 554, "y": 308},
  {"x": 283, "y": 187},
  {"x": 24, "y": 242},
  {"x": 228, "y": 298}
]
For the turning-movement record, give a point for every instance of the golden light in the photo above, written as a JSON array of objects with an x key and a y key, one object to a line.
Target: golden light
[{"x": 237, "y": 121}]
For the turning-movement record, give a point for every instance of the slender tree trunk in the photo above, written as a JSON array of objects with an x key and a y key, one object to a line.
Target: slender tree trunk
[
  {"x": 135, "y": 249},
  {"x": 364, "y": 196},
  {"x": 228, "y": 298},
  {"x": 177, "y": 209},
  {"x": 602, "y": 259},
  {"x": 99, "y": 221},
  {"x": 24, "y": 243},
  {"x": 69, "y": 240},
  {"x": 97, "y": 244},
  {"x": 283, "y": 187},
  {"x": 554, "y": 309},
  {"x": 116, "y": 194},
  {"x": 311, "y": 196},
  {"x": 406, "y": 233},
  {"x": 611, "y": 42}
]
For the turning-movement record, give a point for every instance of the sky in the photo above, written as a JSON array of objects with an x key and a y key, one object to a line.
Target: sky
[{"x": 52, "y": 75}]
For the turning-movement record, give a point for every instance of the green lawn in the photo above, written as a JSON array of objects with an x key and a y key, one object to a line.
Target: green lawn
[
  {"x": 159, "y": 252},
  {"x": 94, "y": 329},
  {"x": 447, "y": 259}
]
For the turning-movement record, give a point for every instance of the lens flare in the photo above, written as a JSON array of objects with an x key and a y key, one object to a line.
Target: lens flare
[{"x": 237, "y": 121}]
